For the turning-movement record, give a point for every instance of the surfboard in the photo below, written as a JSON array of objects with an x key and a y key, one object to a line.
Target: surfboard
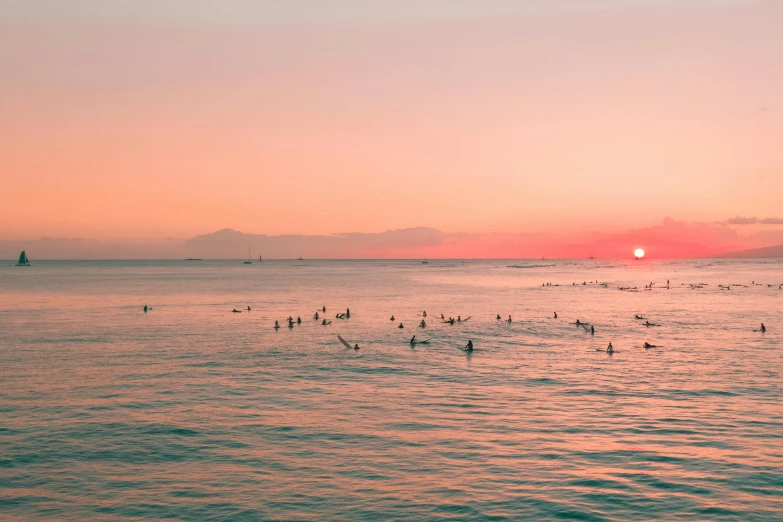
[
  {"x": 327, "y": 322},
  {"x": 345, "y": 343},
  {"x": 466, "y": 319}
]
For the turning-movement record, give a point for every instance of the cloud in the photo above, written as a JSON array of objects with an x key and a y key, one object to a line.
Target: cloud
[
  {"x": 739, "y": 220},
  {"x": 742, "y": 220}
]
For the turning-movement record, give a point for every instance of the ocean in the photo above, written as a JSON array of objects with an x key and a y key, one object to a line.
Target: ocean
[{"x": 192, "y": 412}]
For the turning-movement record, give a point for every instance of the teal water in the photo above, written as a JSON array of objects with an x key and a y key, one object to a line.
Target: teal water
[{"x": 191, "y": 412}]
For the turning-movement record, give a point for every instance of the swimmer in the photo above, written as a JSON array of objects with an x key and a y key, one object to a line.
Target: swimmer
[
  {"x": 392, "y": 318},
  {"x": 355, "y": 346},
  {"x": 401, "y": 326}
]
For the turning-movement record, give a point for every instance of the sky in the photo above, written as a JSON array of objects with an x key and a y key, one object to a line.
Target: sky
[{"x": 552, "y": 122}]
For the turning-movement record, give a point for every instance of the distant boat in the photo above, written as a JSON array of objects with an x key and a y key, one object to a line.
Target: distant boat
[
  {"x": 194, "y": 259},
  {"x": 249, "y": 260},
  {"x": 425, "y": 262},
  {"x": 592, "y": 256},
  {"x": 260, "y": 260},
  {"x": 23, "y": 261},
  {"x": 300, "y": 259}
]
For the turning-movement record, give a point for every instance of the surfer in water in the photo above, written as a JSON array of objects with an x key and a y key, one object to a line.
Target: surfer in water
[
  {"x": 451, "y": 321},
  {"x": 401, "y": 326},
  {"x": 509, "y": 318},
  {"x": 469, "y": 346},
  {"x": 648, "y": 323},
  {"x": 392, "y": 318},
  {"x": 145, "y": 309},
  {"x": 356, "y": 346},
  {"x": 578, "y": 323},
  {"x": 324, "y": 322},
  {"x": 763, "y": 328},
  {"x": 648, "y": 345},
  {"x": 347, "y": 313},
  {"x": 498, "y": 317},
  {"x": 323, "y": 309},
  {"x": 592, "y": 330},
  {"x": 298, "y": 320},
  {"x": 424, "y": 313},
  {"x": 413, "y": 340},
  {"x": 422, "y": 324},
  {"x": 555, "y": 315},
  {"x": 248, "y": 308},
  {"x": 277, "y": 325},
  {"x": 459, "y": 318},
  {"x": 235, "y": 311},
  {"x": 610, "y": 348},
  {"x": 316, "y": 316}
]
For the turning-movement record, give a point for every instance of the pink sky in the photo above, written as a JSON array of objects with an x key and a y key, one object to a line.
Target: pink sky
[{"x": 125, "y": 121}]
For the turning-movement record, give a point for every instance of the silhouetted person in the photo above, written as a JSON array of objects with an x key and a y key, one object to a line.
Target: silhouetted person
[
  {"x": 392, "y": 318},
  {"x": 422, "y": 324},
  {"x": 555, "y": 315},
  {"x": 347, "y": 313},
  {"x": 323, "y": 309},
  {"x": 509, "y": 318},
  {"x": 248, "y": 308},
  {"x": 413, "y": 340},
  {"x": 298, "y": 320},
  {"x": 592, "y": 330},
  {"x": 145, "y": 309},
  {"x": 763, "y": 328},
  {"x": 610, "y": 348},
  {"x": 469, "y": 346},
  {"x": 401, "y": 326}
]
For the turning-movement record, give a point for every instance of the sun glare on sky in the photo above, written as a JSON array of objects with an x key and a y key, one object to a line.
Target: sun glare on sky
[{"x": 639, "y": 253}]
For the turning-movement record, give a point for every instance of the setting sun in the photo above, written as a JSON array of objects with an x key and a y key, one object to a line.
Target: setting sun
[{"x": 639, "y": 253}]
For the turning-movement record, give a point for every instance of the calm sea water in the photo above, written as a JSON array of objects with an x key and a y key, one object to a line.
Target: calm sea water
[{"x": 192, "y": 412}]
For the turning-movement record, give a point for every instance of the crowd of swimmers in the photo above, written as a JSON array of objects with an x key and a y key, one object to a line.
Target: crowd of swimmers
[{"x": 469, "y": 347}]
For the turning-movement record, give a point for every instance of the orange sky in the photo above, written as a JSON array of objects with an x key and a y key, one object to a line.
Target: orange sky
[{"x": 120, "y": 120}]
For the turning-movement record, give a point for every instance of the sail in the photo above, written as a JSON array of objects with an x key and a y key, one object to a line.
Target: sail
[{"x": 23, "y": 261}]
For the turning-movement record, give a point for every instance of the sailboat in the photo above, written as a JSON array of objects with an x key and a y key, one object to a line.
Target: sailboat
[
  {"x": 23, "y": 261},
  {"x": 425, "y": 262},
  {"x": 249, "y": 259}
]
